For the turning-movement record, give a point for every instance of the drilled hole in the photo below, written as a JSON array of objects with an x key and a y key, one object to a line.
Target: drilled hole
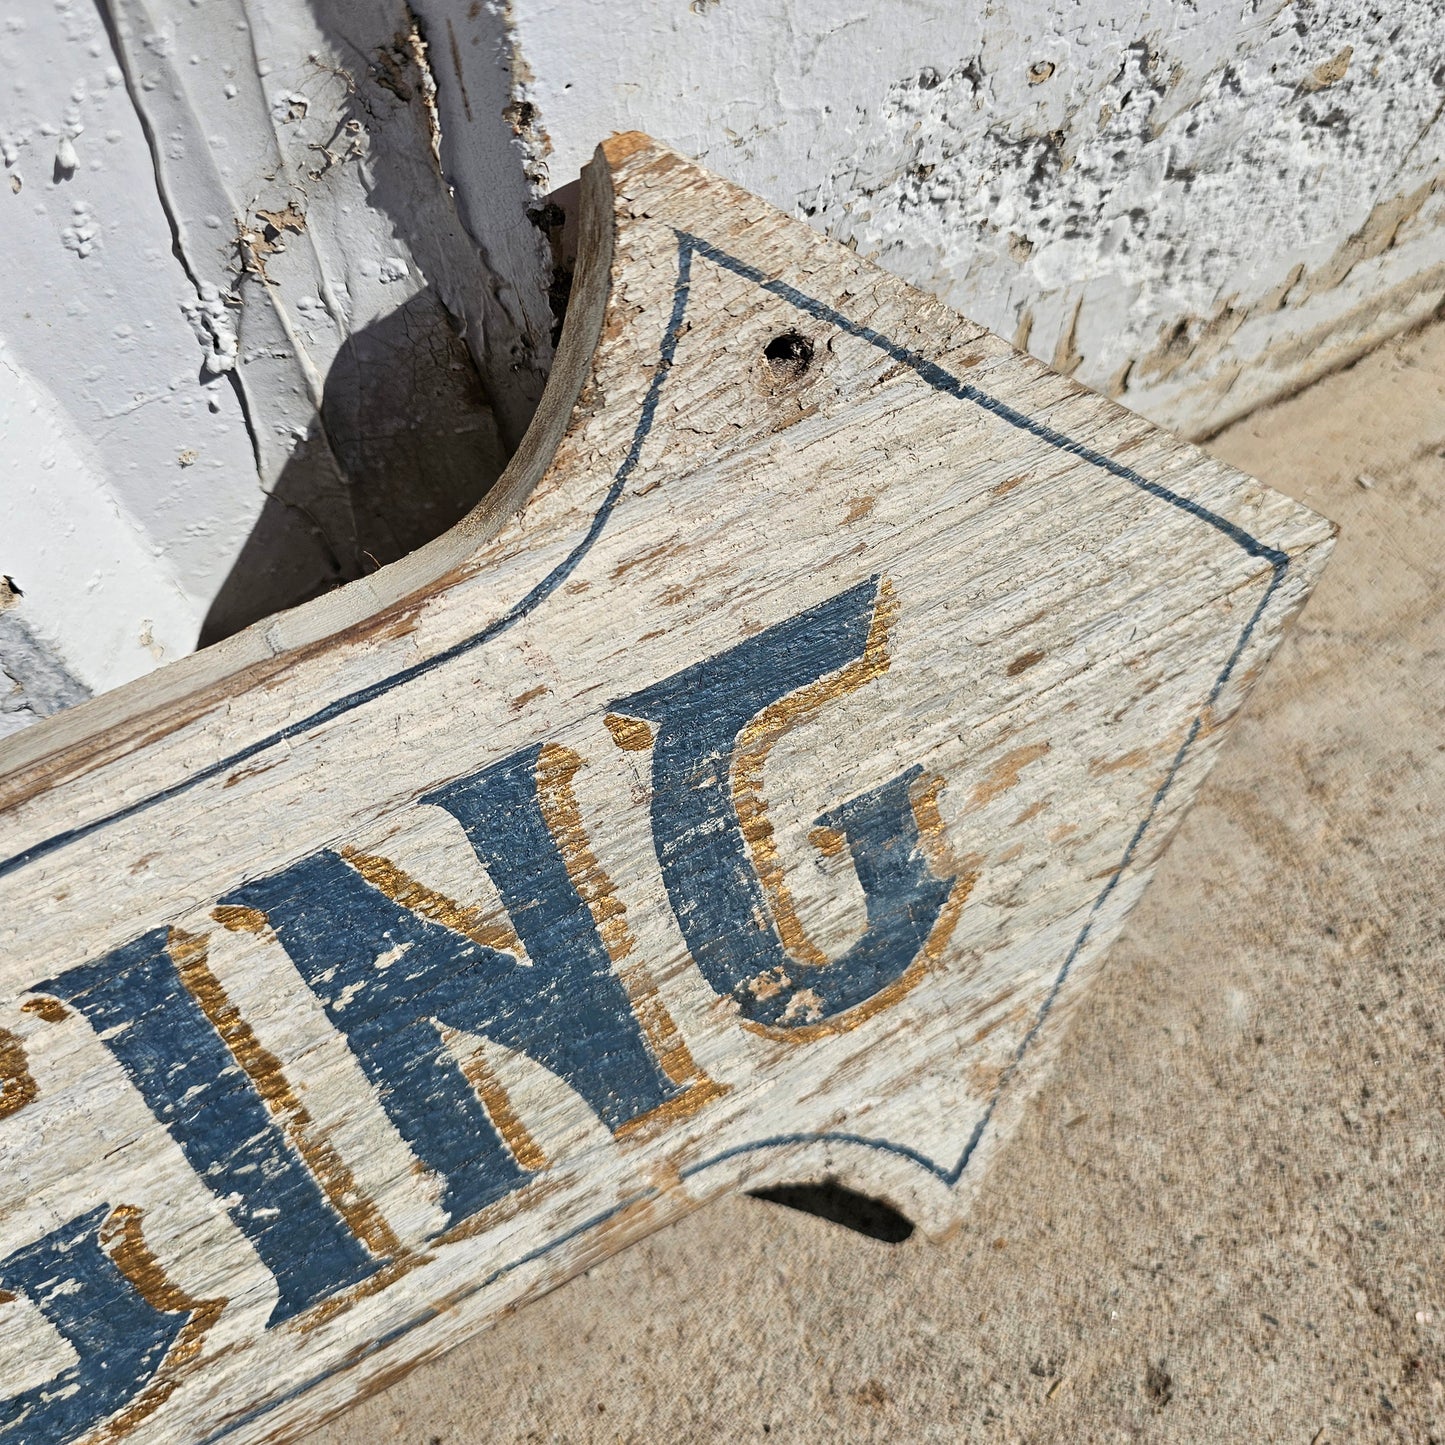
[
  {"x": 831, "y": 1201},
  {"x": 789, "y": 355}
]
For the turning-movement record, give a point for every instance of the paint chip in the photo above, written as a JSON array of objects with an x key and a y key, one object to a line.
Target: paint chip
[{"x": 1331, "y": 71}]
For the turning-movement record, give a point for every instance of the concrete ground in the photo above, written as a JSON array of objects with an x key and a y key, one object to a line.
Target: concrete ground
[{"x": 1224, "y": 1217}]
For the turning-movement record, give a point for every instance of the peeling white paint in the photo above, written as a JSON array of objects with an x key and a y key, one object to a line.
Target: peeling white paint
[
  {"x": 285, "y": 241},
  {"x": 1159, "y": 199},
  {"x": 212, "y": 326},
  {"x": 285, "y": 360},
  {"x": 316, "y": 264},
  {"x": 99, "y": 386}
]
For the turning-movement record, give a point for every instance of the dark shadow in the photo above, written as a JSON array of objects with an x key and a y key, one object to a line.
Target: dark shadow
[
  {"x": 405, "y": 447},
  {"x": 422, "y": 408},
  {"x": 467, "y": 243},
  {"x": 839, "y": 1205}
]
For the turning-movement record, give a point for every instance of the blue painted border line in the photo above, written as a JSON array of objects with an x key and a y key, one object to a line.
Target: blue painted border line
[
  {"x": 688, "y": 245},
  {"x": 943, "y": 381},
  {"x": 353, "y": 700},
  {"x": 939, "y": 380}
]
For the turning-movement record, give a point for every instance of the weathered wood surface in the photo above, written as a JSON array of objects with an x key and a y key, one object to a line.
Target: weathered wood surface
[{"x": 741, "y": 795}]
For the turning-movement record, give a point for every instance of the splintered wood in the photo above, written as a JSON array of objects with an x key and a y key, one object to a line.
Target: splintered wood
[{"x": 739, "y": 797}]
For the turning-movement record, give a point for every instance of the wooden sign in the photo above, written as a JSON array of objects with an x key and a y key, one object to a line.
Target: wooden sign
[{"x": 738, "y": 797}]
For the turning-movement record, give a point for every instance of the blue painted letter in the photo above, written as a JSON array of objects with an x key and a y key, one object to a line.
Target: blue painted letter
[
  {"x": 119, "y": 1338},
  {"x": 712, "y": 883},
  {"x": 388, "y": 977},
  {"x": 568, "y": 1011},
  {"x": 135, "y": 1000}
]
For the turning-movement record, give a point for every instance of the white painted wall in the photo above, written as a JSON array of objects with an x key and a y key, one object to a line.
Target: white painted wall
[
  {"x": 1194, "y": 206},
  {"x": 126, "y": 479},
  {"x": 250, "y": 347},
  {"x": 1191, "y": 205}
]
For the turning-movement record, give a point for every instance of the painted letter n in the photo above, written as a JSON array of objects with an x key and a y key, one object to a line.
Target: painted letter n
[{"x": 388, "y": 978}]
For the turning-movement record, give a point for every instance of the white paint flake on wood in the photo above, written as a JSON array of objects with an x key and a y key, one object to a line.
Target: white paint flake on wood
[{"x": 751, "y": 436}]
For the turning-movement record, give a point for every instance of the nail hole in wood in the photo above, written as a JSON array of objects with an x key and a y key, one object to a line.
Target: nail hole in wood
[{"x": 789, "y": 355}]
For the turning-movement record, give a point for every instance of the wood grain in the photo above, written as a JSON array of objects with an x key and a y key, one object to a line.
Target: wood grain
[{"x": 740, "y": 796}]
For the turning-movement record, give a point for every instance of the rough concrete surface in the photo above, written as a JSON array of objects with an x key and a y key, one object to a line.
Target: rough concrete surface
[{"x": 1224, "y": 1218}]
